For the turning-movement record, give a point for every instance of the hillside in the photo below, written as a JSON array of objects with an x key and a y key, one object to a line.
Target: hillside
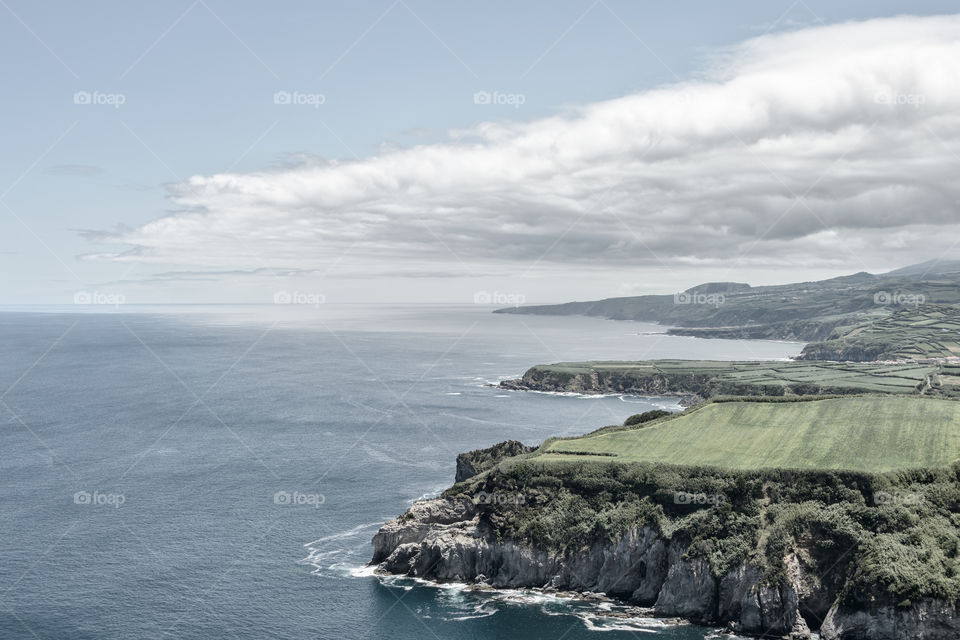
[
  {"x": 806, "y": 311},
  {"x": 911, "y": 333}
]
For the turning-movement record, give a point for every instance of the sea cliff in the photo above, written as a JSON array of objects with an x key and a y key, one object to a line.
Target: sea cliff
[
  {"x": 770, "y": 554},
  {"x": 446, "y": 540}
]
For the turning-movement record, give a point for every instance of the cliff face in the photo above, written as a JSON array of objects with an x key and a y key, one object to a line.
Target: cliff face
[
  {"x": 839, "y": 351},
  {"x": 690, "y": 386},
  {"x": 691, "y": 383},
  {"x": 445, "y": 540},
  {"x": 794, "y": 330},
  {"x": 448, "y": 539}
]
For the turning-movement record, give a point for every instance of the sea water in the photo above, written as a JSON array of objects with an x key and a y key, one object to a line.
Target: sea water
[{"x": 218, "y": 472}]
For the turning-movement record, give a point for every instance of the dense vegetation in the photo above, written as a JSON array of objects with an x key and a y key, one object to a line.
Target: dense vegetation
[
  {"x": 889, "y": 538},
  {"x": 646, "y": 416}
]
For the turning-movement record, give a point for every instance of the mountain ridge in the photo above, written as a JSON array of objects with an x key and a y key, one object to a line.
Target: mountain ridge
[{"x": 802, "y": 311}]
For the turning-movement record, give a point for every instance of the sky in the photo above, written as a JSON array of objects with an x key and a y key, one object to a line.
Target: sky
[{"x": 207, "y": 151}]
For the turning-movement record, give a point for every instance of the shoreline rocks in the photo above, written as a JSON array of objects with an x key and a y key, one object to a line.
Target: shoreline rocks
[{"x": 446, "y": 540}]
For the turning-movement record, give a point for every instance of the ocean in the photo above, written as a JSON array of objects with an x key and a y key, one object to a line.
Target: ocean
[{"x": 218, "y": 472}]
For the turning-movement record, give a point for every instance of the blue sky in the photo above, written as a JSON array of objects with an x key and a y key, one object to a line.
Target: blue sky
[{"x": 198, "y": 79}]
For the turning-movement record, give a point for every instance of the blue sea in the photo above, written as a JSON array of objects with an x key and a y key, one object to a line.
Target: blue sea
[{"x": 218, "y": 472}]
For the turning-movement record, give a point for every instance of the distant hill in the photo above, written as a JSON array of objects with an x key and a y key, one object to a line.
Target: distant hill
[
  {"x": 804, "y": 311},
  {"x": 934, "y": 267}
]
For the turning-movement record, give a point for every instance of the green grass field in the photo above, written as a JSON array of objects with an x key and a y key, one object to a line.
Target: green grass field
[
  {"x": 862, "y": 433},
  {"x": 909, "y": 333}
]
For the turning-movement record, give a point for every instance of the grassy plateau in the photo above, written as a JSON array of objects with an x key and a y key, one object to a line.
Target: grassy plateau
[{"x": 864, "y": 433}]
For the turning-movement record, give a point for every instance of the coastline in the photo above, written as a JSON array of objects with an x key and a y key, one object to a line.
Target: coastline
[
  {"x": 682, "y": 400},
  {"x": 658, "y": 563},
  {"x": 444, "y": 542}
]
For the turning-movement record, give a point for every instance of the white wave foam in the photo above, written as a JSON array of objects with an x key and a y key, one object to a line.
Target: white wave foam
[
  {"x": 592, "y": 396},
  {"x": 428, "y": 495},
  {"x": 467, "y": 603},
  {"x": 481, "y": 610},
  {"x": 367, "y": 571},
  {"x": 618, "y": 624},
  {"x": 343, "y": 535}
]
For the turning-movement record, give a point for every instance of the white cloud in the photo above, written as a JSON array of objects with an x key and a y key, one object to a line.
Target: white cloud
[{"x": 861, "y": 119}]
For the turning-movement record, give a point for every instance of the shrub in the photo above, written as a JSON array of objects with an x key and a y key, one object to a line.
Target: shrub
[{"x": 646, "y": 416}]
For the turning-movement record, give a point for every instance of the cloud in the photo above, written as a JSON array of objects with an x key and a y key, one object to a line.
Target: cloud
[{"x": 826, "y": 144}]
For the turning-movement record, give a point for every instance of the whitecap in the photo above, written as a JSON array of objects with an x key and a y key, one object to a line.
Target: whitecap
[{"x": 482, "y": 610}]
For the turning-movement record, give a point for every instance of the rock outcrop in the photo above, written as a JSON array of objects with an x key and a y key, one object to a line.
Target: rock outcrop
[{"x": 473, "y": 462}]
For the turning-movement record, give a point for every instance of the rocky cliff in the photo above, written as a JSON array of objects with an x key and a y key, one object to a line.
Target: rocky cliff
[
  {"x": 690, "y": 388},
  {"x": 771, "y": 552},
  {"x": 449, "y": 539}
]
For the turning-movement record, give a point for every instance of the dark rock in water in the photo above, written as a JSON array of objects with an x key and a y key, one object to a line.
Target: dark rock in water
[{"x": 473, "y": 462}]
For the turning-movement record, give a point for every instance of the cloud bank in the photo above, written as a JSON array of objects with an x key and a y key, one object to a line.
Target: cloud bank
[{"x": 826, "y": 145}]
